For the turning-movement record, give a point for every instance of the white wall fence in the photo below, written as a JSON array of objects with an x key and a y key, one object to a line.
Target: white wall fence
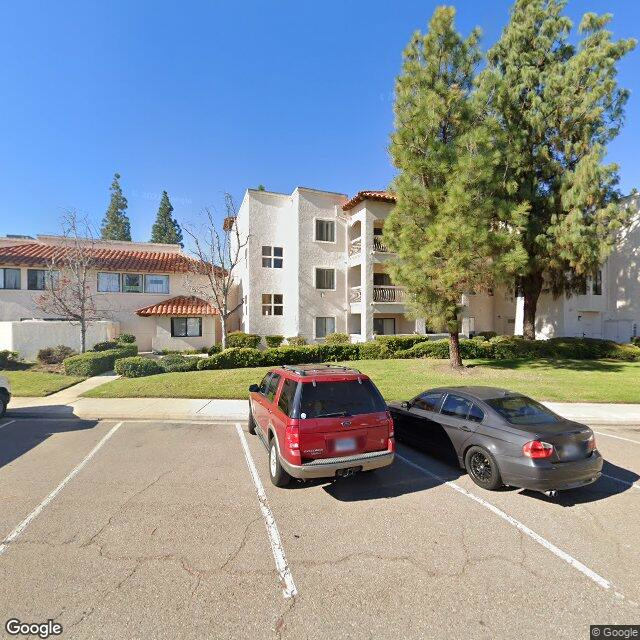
[{"x": 27, "y": 337}]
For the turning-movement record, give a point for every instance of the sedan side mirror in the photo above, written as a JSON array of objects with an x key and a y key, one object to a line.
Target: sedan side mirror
[
  {"x": 254, "y": 388},
  {"x": 405, "y": 404}
]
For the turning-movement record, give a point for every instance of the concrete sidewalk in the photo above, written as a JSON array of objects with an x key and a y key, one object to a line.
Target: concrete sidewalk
[{"x": 237, "y": 410}]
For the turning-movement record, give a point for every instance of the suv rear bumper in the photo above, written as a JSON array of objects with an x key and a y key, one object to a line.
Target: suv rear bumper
[{"x": 328, "y": 467}]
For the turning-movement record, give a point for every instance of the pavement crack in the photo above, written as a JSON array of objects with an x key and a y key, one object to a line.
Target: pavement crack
[{"x": 236, "y": 553}]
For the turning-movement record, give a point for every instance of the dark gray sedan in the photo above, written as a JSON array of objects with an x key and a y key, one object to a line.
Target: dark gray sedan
[{"x": 500, "y": 438}]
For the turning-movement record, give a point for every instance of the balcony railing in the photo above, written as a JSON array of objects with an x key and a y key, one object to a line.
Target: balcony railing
[
  {"x": 378, "y": 245},
  {"x": 380, "y": 294},
  {"x": 355, "y": 246}
]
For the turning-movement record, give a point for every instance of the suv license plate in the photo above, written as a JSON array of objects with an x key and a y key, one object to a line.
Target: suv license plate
[{"x": 345, "y": 444}]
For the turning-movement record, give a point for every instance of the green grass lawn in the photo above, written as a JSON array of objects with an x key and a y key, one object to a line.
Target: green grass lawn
[
  {"x": 38, "y": 383},
  {"x": 563, "y": 380}
]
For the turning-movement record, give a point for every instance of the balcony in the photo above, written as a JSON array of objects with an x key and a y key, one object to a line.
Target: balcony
[
  {"x": 378, "y": 245},
  {"x": 355, "y": 246},
  {"x": 393, "y": 295}
]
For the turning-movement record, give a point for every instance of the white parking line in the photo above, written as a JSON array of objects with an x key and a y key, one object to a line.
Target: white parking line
[
  {"x": 289, "y": 588},
  {"x": 6, "y": 424},
  {"x": 621, "y": 481},
  {"x": 601, "y": 433},
  {"x": 576, "y": 564},
  {"x": 38, "y": 510}
]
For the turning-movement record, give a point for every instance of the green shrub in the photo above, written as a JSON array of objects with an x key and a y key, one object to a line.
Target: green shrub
[
  {"x": 296, "y": 341},
  {"x": 126, "y": 338},
  {"x": 486, "y": 334},
  {"x": 337, "y": 338},
  {"x": 233, "y": 358},
  {"x": 137, "y": 367},
  {"x": 214, "y": 348},
  {"x": 400, "y": 343},
  {"x": 305, "y": 354},
  {"x": 55, "y": 355},
  {"x": 273, "y": 341},
  {"x": 93, "y": 363},
  {"x": 6, "y": 357},
  {"x": 374, "y": 350},
  {"x": 241, "y": 340},
  {"x": 337, "y": 352},
  {"x": 177, "y": 363},
  {"x": 105, "y": 346},
  {"x": 426, "y": 349},
  {"x": 635, "y": 341}
]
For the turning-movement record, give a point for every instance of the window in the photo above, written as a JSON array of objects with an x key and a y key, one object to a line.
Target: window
[
  {"x": 325, "y": 278},
  {"x": 325, "y": 326},
  {"x": 597, "y": 283},
  {"x": 522, "y": 410},
  {"x": 325, "y": 231},
  {"x": 475, "y": 414},
  {"x": 40, "y": 279},
  {"x": 384, "y": 326},
  {"x": 273, "y": 386},
  {"x": 156, "y": 284},
  {"x": 428, "y": 401},
  {"x": 186, "y": 327},
  {"x": 456, "y": 407},
  {"x": 132, "y": 283},
  {"x": 9, "y": 278},
  {"x": 265, "y": 384},
  {"x": 348, "y": 398},
  {"x": 272, "y": 304},
  {"x": 108, "y": 282},
  {"x": 382, "y": 280},
  {"x": 272, "y": 257},
  {"x": 287, "y": 396}
]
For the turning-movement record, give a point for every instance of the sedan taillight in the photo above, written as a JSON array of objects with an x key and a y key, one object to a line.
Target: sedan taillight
[
  {"x": 537, "y": 449},
  {"x": 591, "y": 443}
]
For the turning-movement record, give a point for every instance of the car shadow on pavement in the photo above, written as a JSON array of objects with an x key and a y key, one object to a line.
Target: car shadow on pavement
[
  {"x": 33, "y": 426},
  {"x": 614, "y": 480}
]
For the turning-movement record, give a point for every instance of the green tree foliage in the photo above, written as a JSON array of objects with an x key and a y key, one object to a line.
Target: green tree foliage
[
  {"x": 115, "y": 224},
  {"x": 553, "y": 106},
  {"x": 443, "y": 226},
  {"x": 166, "y": 228}
]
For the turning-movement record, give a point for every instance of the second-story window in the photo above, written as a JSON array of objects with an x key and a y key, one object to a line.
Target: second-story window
[
  {"x": 156, "y": 284},
  {"x": 272, "y": 257},
  {"x": 9, "y": 278},
  {"x": 597, "y": 283},
  {"x": 108, "y": 282},
  {"x": 325, "y": 278},
  {"x": 132, "y": 282},
  {"x": 325, "y": 230}
]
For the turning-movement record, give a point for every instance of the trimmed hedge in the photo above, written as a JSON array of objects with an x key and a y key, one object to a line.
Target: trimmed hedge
[
  {"x": 214, "y": 348},
  {"x": 241, "y": 340},
  {"x": 296, "y": 341},
  {"x": 234, "y": 358},
  {"x": 93, "y": 363},
  {"x": 400, "y": 343},
  {"x": 137, "y": 367},
  {"x": 107, "y": 345},
  {"x": 126, "y": 338},
  {"x": 635, "y": 341},
  {"x": 177, "y": 363},
  {"x": 273, "y": 341},
  {"x": 337, "y": 338}
]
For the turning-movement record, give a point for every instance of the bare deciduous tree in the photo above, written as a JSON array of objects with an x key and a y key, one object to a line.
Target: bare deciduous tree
[
  {"x": 217, "y": 252},
  {"x": 67, "y": 293}
]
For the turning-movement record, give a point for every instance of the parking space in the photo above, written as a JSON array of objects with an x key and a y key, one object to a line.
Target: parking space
[{"x": 165, "y": 533}]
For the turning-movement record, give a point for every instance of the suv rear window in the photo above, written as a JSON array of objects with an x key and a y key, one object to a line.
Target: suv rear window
[{"x": 345, "y": 398}]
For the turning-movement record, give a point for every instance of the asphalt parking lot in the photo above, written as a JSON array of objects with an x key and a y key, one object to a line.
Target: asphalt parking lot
[{"x": 160, "y": 529}]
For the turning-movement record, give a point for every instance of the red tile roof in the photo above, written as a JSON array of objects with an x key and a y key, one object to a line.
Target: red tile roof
[
  {"x": 40, "y": 255},
  {"x": 380, "y": 196},
  {"x": 179, "y": 306}
]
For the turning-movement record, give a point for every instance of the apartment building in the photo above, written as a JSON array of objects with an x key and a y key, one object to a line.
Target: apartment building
[{"x": 315, "y": 263}]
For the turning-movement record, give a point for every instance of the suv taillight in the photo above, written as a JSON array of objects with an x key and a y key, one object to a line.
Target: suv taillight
[
  {"x": 292, "y": 437},
  {"x": 537, "y": 449},
  {"x": 591, "y": 443},
  {"x": 390, "y": 421}
]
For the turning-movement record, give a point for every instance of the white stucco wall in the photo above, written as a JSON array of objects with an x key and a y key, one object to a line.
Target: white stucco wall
[{"x": 163, "y": 339}]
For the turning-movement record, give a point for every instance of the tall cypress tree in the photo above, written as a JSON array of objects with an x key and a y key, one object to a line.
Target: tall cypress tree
[
  {"x": 554, "y": 107},
  {"x": 442, "y": 225},
  {"x": 115, "y": 224},
  {"x": 166, "y": 228}
]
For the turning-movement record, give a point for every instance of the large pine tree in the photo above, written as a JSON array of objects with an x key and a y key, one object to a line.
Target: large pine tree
[
  {"x": 442, "y": 227},
  {"x": 115, "y": 224},
  {"x": 554, "y": 107},
  {"x": 166, "y": 228}
]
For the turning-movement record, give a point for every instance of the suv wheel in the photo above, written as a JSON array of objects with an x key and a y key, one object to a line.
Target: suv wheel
[
  {"x": 251, "y": 427},
  {"x": 279, "y": 477},
  {"x": 482, "y": 468}
]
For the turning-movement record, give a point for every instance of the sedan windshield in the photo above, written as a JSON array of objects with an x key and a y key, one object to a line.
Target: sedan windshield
[
  {"x": 345, "y": 398},
  {"x": 522, "y": 410}
]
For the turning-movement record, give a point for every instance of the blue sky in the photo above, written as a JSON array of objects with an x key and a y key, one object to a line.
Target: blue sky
[{"x": 204, "y": 97}]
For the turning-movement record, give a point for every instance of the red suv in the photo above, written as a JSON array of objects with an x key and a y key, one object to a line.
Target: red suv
[{"x": 320, "y": 421}]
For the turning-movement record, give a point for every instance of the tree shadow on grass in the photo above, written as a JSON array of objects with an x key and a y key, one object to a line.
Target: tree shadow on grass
[{"x": 604, "y": 366}]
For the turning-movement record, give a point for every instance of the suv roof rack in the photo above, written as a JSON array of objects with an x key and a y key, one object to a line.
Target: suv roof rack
[{"x": 303, "y": 370}]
